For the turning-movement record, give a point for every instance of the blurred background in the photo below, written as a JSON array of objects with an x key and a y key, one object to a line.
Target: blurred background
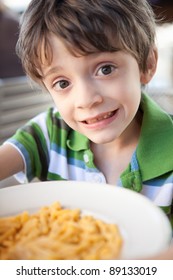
[
  {"x": 18, "y": 5},
  {"x": 21, "y": 100}
]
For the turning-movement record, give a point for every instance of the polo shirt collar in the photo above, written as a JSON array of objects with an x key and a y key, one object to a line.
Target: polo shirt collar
[
  {"x": 155, "y": 148},
  {"x": 77, "y": 141}
]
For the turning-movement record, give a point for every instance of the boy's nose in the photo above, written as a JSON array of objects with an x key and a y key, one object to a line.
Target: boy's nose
[{"x": 88, "y": 96}]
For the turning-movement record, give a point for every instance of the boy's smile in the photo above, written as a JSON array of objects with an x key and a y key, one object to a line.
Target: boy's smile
[
  {"x": 97, "y": 94},
  {"x": 100, "y": 120}
]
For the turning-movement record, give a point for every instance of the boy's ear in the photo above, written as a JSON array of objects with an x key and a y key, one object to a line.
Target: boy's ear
[{"x": 151, "y": 66}]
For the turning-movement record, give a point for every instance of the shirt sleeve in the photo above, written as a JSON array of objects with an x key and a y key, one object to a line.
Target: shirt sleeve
[{"x": 33, "y": 143}]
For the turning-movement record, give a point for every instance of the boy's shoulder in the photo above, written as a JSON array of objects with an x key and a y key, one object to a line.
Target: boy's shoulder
[
  {"x": 157, "y": 124},
  {"x": 152, "y": 111},
  {"x": 156, "y": 141}
]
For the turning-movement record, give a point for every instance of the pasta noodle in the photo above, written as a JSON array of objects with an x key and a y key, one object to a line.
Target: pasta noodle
[{"x": 58, "y": 233}]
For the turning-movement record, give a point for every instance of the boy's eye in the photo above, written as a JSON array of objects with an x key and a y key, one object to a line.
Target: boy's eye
[
  {"x": 106, "y": 70},
  {"x": 61, "y": 84}
]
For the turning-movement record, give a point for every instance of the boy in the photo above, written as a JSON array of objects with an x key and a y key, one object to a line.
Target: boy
[{"x": 93, "y": 57}]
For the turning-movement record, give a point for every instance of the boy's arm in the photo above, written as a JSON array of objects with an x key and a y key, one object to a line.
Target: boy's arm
[{"x": 11, "y": 162}]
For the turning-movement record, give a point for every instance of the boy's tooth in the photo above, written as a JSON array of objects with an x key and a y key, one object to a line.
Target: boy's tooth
[{"x": 99, "y": 118}]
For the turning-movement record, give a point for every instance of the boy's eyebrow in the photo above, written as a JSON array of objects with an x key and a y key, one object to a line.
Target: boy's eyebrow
[{"x": 52, "y": 71}]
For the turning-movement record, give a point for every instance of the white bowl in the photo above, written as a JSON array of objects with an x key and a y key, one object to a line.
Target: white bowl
[{"x": 145, "y": 228}]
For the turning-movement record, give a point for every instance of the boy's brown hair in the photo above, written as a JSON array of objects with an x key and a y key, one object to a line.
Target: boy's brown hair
[{"x": 86, "y": 26}]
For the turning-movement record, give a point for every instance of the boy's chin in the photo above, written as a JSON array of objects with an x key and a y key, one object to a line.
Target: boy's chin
[{"x": 105, "y": 140}]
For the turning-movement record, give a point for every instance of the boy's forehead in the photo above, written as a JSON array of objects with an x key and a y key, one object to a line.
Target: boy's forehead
[
  {"x": 58, "y": 44},
  {"x": 51, "y": 50}
]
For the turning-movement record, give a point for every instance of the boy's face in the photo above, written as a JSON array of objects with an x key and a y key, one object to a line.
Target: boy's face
[{"x": 98, "y": 94}]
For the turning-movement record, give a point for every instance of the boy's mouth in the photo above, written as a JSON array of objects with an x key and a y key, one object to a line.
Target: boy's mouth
[{"x": 100, "y": 117}]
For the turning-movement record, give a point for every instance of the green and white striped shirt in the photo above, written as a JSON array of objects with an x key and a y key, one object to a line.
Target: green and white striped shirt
[{"x": 53, "y": 151}]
